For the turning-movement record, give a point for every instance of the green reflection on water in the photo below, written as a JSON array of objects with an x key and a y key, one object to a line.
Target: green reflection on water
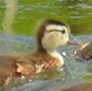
[{"x": 78, "y": 14}]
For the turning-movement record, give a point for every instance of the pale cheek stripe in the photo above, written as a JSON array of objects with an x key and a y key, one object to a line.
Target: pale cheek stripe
[{"x": 54, "y": 30}]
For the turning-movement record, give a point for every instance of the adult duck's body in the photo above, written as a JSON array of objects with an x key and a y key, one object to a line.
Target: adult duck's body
[
  {"x": 50, "y": 35},
  {"x": 85, "y": 52}
]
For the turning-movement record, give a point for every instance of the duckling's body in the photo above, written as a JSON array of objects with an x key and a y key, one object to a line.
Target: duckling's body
[
  {"x": 14, "y": 66},
  {"x": 50, "y": 35}
]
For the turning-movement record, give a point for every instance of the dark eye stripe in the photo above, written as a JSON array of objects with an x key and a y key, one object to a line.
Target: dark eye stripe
[{"x": 62, "y": 31}]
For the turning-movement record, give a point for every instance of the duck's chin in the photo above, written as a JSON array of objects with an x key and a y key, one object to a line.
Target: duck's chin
[{"x": 60, "y": 45}]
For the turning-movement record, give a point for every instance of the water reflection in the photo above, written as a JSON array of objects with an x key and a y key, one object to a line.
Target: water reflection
[
  {"x": 9, "y": 15},
  {"x": 75, "y": 12}
]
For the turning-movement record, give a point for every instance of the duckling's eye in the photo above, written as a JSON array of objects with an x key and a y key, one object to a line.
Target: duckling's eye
[{"x": 63, "y": 31}]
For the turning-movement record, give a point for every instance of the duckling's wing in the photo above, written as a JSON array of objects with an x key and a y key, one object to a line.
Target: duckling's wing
[{"x": 25, "y": 66}]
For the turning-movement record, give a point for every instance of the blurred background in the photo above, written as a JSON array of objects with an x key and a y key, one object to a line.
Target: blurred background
[
  {"x": 18, "y": 23},
  {"x": 26, "y": 14}
]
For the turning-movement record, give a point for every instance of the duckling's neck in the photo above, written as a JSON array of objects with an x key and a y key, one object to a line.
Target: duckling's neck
[
  {"x": 52, "y": 53},
  {"x": 55, "y": 54},
  {"x": 49, "y": 51}
]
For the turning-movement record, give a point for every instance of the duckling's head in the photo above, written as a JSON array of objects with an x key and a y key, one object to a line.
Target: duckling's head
[{"x": 52, "y": 34}]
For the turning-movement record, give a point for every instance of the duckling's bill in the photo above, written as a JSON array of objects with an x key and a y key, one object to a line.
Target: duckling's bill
[{"x": 74, "y": 43}]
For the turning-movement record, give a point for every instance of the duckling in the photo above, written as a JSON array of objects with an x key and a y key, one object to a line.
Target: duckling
[{"x": 50, "y": 35}]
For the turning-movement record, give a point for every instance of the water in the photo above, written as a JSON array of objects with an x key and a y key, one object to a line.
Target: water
[
  {"x": 77, "y": 13},
  {"x": 73, "y": 71}
]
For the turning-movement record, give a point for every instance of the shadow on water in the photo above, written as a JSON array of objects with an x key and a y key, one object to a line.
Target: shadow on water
[{"x": 78, "y": 13}]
